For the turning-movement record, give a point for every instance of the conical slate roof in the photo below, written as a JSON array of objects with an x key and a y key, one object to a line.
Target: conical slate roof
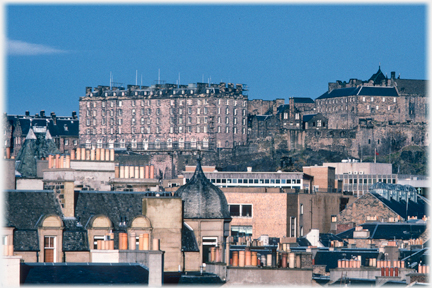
[{"x": 202, "y": 199}]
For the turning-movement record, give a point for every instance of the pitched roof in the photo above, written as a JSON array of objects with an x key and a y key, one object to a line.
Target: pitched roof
[
  {"x": 25, "y": 210},
  {"x": 189, "y": 243},
  {"x": 301, "y": 100},
  {"x": 330, "y": 258},
  {"x": 306, "y": 118},
  {"x": 409, "y": 86},
  {"x": 65, "y": 126},
  {"x": 361, "y": 91},
  {"x": 389, "y": 231},
  {"x": 378, "y": 91},
  {"x": 400, "y": 207},
  {"x": 84, "y": 273},
  {"x": 377, "y": 77}
]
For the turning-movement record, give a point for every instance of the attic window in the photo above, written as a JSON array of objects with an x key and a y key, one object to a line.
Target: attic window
[{"x": 66, "y": 128}]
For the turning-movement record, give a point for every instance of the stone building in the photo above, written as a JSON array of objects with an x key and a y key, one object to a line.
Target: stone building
[
  {"x": 380, "y": 98},
  {"x": 62, "y": 129},
  {"x": 164, "y": 117},
  {"x": 206, "y": 214}
]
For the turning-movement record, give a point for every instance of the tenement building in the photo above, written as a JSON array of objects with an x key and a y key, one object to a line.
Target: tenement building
[{"x": 164, "y": 117}]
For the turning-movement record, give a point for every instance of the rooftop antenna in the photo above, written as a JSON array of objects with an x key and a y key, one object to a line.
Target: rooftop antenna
[
  {"x": 179, "y": 81},
  {"x": 141, "y": 79},
  {"x": 110, "y": 80},
  {"x": 159, "y": 76},
  {"x": 136, "y": 77},
  {"x": 202, "y": 78}
]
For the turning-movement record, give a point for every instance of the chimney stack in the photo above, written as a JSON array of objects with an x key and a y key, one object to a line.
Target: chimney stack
[
  {"x": 27, "y": 113},
  {"x": 42, "y": 113},
  {"x": 69, "y": 199},
  {"x": 74, "y": 116}
]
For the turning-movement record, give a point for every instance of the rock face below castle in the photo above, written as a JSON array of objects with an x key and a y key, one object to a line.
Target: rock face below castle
[{"x": 202, "y": 199}]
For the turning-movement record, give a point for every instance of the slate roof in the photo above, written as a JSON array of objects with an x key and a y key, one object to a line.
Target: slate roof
[
  {"x": 282, "y": 108},
  {"x": 202, "y": 199},
  {"x": 385, "y": 230},
  {"x": 330, "y": 258},
  {"x": 262, "y": 117},
  {"x": 418, "y": 208},
  {"x": 25, "y": 210},
  {"x": 361, "y": 91},
  {"x": 409, "y": 86},
  {"x": 84, "y": 273},
  {"x": 116, "y": 205},
  {"x": 306, "y": 118},
  {"x": 377, "y": 77},
  {"x": 189, "y": 243},
  {"x": 302, "y": 241},
  {"x": 326, "y": 238},
  {"x": 303, "y": 100},
  {"x": 415, "y": 258},
  {"x": 64, "y": 126}
]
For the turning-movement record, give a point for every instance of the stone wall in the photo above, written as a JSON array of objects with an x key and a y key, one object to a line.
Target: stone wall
[
  {"x": 257, "y": 276},
  {"x": 269, "y": 212},
  {"x": 367, "y": 205}
]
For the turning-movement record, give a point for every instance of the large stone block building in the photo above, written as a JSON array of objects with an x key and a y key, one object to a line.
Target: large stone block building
[{"x": 164, "y": 117}]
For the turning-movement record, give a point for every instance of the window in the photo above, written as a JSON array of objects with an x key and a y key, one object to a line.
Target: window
[
  {"x": 285, "y": 115},
  {"x": 235, "y": 111},
  {"x": 297, "y": 116},
  {"x": 301, "y": 209},
  {"x": 133, "y": 121},
  {"x": 205, "y": 110},
  {"x": 103, "y": 104},
  {"x": 226, "y": 120},
  {"x": 75, "y": 142},
  {"x": 240, "y": 210},
  {"x": 226, "y": 129},
  {"x": 218, "y": 110},
  {"x": 133, "y": 111},
  {"x": 120, "y": 112},
  {"x": 333, "y": 218},
  {"x": 227, "y": 111},
  {"x": 292, "y": 226},
  {"x": 120, "y": 103},
  {"x": 318, "y": 123},
  {"x": 66, "y": 142},
  {"x": 190, "y": 110},
  {"x": 49, "y": 249},
  {"x": 198, "y": 111}
]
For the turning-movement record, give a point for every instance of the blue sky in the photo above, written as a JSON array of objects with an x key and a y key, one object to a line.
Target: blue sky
[{"x": 279, "y": 51}]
